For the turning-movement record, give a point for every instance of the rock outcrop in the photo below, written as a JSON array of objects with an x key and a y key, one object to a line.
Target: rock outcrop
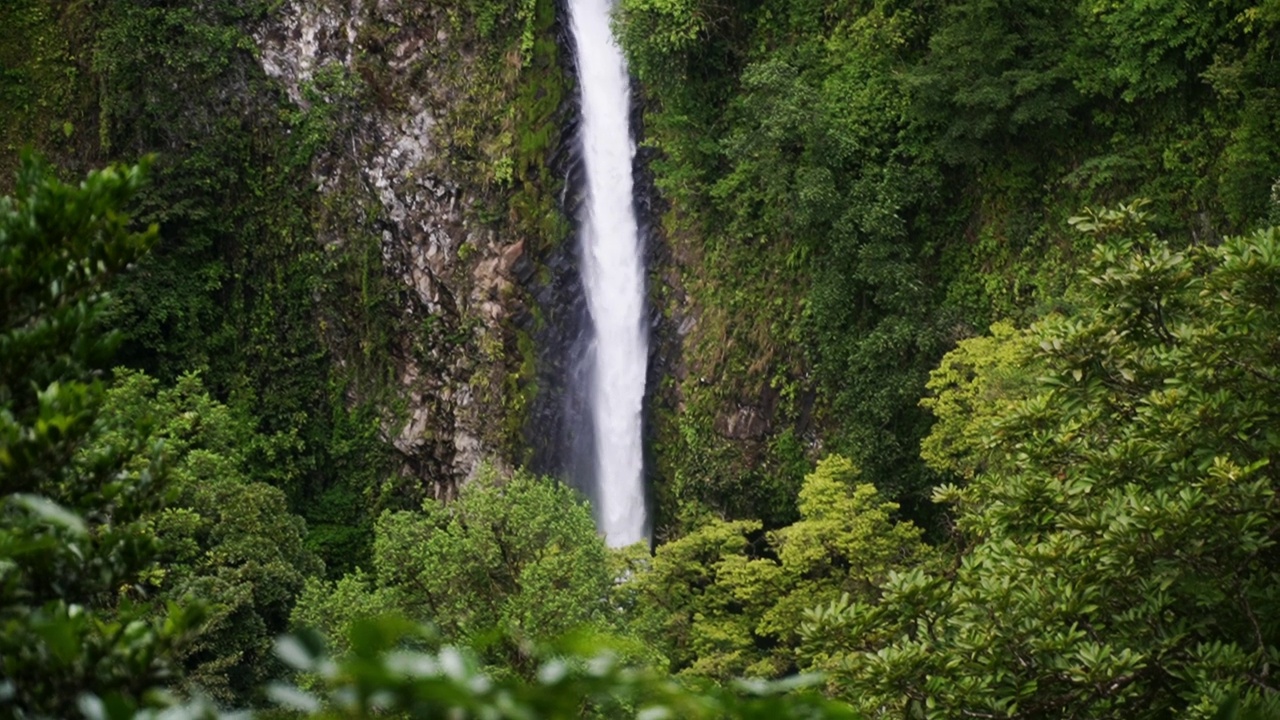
[{"x": 386, "y": 74}]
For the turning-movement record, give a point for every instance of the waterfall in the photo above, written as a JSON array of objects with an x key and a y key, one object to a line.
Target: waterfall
[{"x": 613, "y": 275}]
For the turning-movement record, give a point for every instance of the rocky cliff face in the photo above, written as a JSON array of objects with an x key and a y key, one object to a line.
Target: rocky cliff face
[{"x": 418, "y": 174}]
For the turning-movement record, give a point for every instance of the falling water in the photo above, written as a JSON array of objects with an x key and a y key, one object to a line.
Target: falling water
[{"x": 613, "y": 275}]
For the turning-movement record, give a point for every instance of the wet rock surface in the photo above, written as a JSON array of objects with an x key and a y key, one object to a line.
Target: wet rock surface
[{"x": 386, "y": 167}]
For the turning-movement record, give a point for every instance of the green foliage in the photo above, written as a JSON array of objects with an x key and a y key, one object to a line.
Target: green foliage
[
  {"x": 726, "y": 600},
  {"x": 706, "y": 477},
  {"x": 661, "y": 35},
  {"x": 854, "y": 187},
  {"x": 224, "y": 537},
  {"x": 516, "y": 559},
  {"x": 995, "y": 69},
  {"x": 75, "y": 549},
  {"x": 334, "y": 607},
  {"x": 971, "y": 389},
  {"x": 1118, "y": 528},
  {"x": 62, "y": 245},
  {"x": 1141, "y": 50},
  {"x": 804, "y": 184},
  {"x": 280, "y": 295},
  {"x": 381, "y": 675},
  {"x": 240, "y": 289},
  {"x": 1251, "y": 158},
  {"x": 45, "y": 100},
  {"x": 521, "y": 14}
]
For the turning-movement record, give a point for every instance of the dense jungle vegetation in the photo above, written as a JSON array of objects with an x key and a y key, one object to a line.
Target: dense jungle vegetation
[{"x": 1003, "y": 279}]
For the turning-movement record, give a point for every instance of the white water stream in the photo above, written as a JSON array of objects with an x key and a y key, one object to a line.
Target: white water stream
[{"x": 613, "y": 275}]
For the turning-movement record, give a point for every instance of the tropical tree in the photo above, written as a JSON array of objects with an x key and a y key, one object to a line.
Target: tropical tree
[
  {"x": 75, "y": 551},
  {"x": 224, "y": 537},
  {"x": 514, "y": 560},
  {"x": 728, "y": 599},
  {"x": 1118, "y": 530}
]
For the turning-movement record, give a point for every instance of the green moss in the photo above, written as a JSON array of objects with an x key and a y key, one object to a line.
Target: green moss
[
  {"x": 521, "y": 390},
  {"x": 46, "y": 91},
  {"x": 532, "y": 207}
]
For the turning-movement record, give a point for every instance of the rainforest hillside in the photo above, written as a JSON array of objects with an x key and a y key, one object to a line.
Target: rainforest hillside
[
  {"x": 964, "y": 378},
  {"x": 854, "y": 187}
]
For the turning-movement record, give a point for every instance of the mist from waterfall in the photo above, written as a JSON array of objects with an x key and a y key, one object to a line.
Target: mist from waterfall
[{"x": 613, "y": 275}]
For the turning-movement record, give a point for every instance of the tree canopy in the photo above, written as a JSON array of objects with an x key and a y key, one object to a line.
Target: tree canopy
[
  {"x": 1117, "y": 527},
  {"x": 75, "y": 547},
  {"x": 516, "y": 560}
]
